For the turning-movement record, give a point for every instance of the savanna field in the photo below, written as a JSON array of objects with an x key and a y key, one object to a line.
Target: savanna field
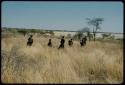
[{"x": 97, "y": 62}]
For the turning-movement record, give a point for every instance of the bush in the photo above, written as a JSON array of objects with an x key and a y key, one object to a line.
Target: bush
[
  {"x": 78, "y": 35},
  {"x": 24, "y": 32},
  {"x": 69, "y": 36},
  {"x": 106, "y": 35}
]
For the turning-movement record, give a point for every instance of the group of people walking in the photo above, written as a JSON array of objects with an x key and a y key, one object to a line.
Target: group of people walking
[{"x": 62, "y": 42}]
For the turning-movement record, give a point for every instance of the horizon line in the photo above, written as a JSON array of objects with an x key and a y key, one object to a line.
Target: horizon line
[{"x": 62, "y": 30}]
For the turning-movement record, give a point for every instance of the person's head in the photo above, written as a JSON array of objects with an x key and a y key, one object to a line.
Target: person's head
[{"x": 63, "y": 37}]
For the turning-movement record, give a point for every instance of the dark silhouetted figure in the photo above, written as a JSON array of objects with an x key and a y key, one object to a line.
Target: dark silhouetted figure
[
  {"x": 62, "y": 43},
  {"x": 70, "y": 42},
  {"x": 50, "y": 43},
  {"x": 82, "y": 42},
  {"x": 30, "y": 41}
]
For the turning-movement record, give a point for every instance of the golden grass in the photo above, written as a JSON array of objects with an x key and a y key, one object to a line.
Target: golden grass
[{"x": 97, "y": 62}]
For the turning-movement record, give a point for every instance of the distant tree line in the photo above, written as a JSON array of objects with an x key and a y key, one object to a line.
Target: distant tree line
[{"x": 24, "y": 31}]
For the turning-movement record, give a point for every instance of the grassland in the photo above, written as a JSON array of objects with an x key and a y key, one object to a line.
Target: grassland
[{"x": 97, "y": 62}]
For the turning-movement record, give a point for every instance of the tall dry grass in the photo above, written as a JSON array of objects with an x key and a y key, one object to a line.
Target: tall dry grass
[{"x": 97, "y": 62}]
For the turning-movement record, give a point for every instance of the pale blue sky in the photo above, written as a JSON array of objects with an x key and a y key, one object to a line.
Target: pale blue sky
[{"x": 62, "y": 15}]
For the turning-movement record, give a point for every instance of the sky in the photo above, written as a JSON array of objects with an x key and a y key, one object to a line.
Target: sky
[{"x": 62, "y": 15}]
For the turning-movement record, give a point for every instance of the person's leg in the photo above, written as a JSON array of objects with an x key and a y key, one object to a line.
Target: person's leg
[
  {"x": 59, "y": 46},
  {"x": 63, "y": 46}
]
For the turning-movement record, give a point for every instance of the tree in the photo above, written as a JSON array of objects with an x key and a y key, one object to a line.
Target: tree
[{"x": 95, "y": 22}]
